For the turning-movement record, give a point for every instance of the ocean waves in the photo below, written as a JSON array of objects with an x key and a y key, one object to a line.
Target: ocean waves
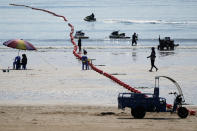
[
  {"x": 94, "y": 47},
  {"x": 125, "y": 21},
  {"x": 101, "y": 43}
]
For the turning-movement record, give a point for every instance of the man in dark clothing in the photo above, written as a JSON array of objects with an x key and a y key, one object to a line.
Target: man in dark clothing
[
  {"x": 134, "y": 39},
  {"x": 92, "y": 15},
  {"x": 79, "y": 44},
  {"x": 24, "y": 61},
  {"x": 152, "y": 58}
]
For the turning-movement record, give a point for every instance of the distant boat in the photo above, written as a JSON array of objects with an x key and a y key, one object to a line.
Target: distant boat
[
  {"x": 80, "y": 34},
  {"x": 90, "y": 18},
  {"x": 117, "y": 35}
]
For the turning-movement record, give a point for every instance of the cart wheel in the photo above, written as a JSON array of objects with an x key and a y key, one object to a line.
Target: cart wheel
[
  {"x": 138, "y": 112},
  {"x": 182, "y": 112}
]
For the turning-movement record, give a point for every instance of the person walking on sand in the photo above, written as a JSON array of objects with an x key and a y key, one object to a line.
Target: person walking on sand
[
  {"x": 152, "y": 58},
  {"x": 79, "y": 44},
  {"x": 134, "y": 39}
]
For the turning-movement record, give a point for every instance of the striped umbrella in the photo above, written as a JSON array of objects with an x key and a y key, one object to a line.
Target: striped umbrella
[{"x": 19, "y": 44}]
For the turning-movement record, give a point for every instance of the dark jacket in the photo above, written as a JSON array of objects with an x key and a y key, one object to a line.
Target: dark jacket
[
  {"x": 24, "y": 60},
  {"x": 152, "y": 55}
]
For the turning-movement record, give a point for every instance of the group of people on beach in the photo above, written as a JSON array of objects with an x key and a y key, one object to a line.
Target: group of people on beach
[
  {"x": 18, "y": 62},
  {"x": 85, "y": 58},
  {"x": 152, "y": 55}
]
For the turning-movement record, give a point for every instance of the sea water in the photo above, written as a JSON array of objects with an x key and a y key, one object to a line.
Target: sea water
[{"x": 148, "y": 18}]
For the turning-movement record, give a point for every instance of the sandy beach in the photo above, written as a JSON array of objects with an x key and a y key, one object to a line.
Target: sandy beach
[{"x": 87, "y": 118}]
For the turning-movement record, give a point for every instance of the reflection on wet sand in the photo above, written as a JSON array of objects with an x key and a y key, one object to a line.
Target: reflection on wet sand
[
  {"x": 134, "y": 54},
  {"x": 166, "y": 53}
]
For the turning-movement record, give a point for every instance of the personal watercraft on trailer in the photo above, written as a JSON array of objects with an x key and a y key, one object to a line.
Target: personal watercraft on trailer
[
  {"x": 117, "y": 35},
  {"x": 80, "y": 34}
]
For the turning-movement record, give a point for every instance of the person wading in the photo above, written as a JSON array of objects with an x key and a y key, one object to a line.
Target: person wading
[
  {"x": 134, "y": 39},
  {"x": 79, "y": 44}
]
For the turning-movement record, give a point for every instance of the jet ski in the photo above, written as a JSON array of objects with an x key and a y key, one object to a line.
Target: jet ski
[
  {"x": 90, "y": 18},
  {"x": 80, "y": 34},
  {"x": 117, "y": 35}
]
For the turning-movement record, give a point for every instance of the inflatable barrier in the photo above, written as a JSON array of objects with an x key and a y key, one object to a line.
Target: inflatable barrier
[
  {"x": 95, "y": 68},
  {"x": 41, "y": 10},
  {"x": 192, "y": 112}
]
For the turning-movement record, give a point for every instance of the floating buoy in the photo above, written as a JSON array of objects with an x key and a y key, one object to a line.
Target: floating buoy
[
  {"x": 192, "y": 112},
  {"x": 169, "y": 106}
]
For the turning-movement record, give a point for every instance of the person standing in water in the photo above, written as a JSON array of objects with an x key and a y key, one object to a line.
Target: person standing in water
[
  {"x": 134, "y": 39},
  {"x": 92, "y": 15},
  {"x": 152, "y": 58},
  {"x": 79, "y": 44}
]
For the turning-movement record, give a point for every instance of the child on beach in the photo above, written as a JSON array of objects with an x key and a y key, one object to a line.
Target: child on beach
[
  {"x": 84, "y": 60},
  {"x": 152, "y": 58}
]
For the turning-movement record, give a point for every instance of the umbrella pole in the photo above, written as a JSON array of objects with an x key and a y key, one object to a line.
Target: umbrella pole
[{"x": 18, "y": 52}]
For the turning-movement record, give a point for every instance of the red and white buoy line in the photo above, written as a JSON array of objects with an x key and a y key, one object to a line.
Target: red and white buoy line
[{"x": 192, "y": 112}]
